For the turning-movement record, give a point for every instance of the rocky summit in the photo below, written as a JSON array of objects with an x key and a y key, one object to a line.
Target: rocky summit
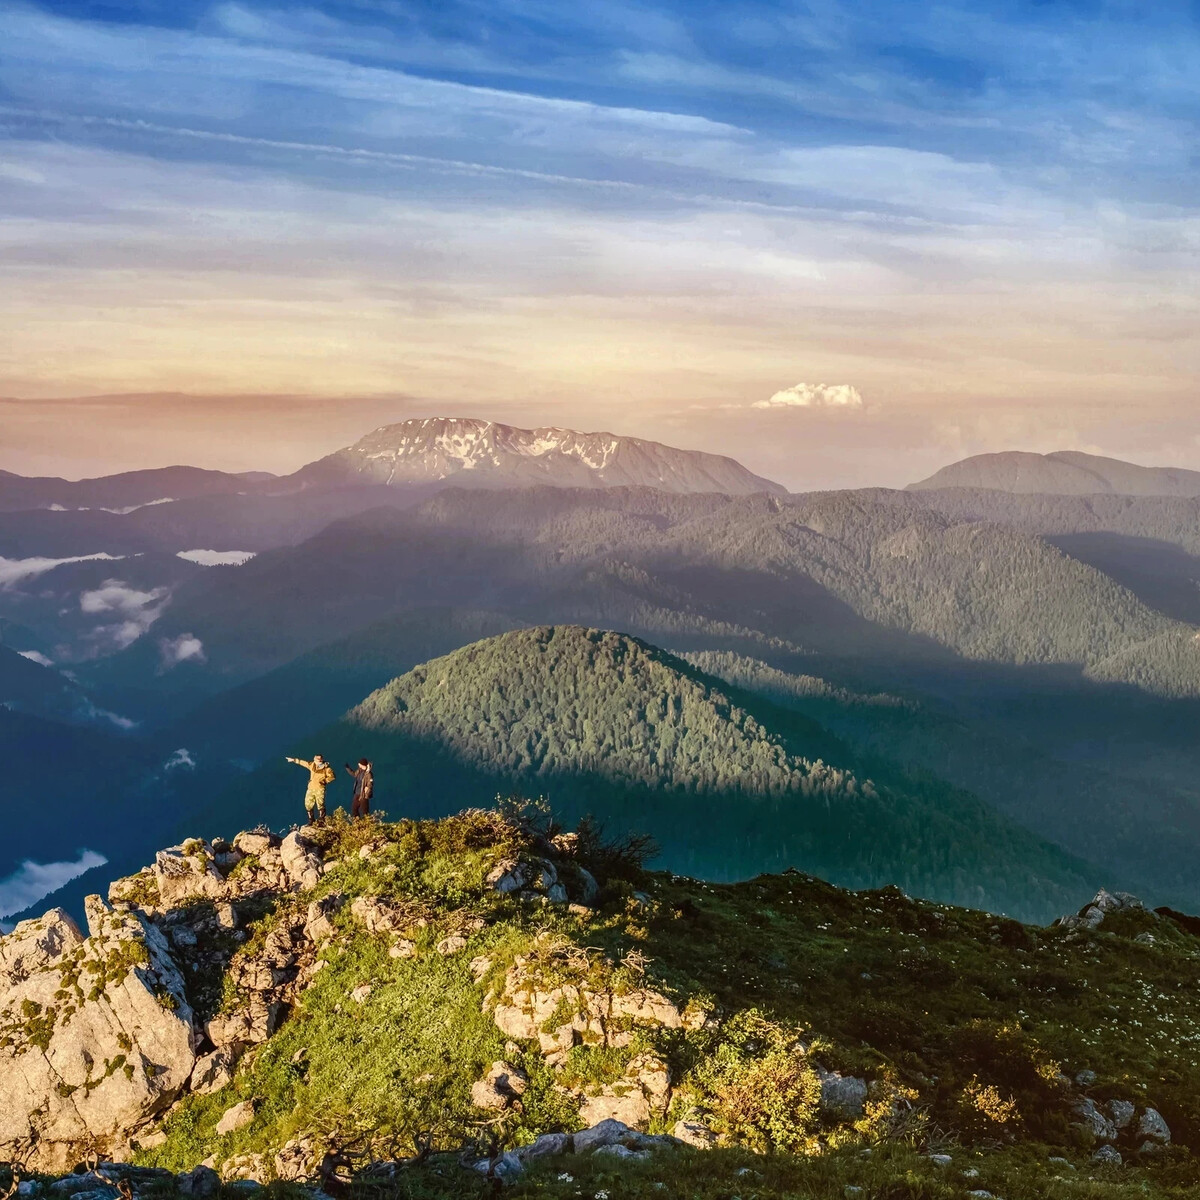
[
  {"x": 475, "y": 453},
  {"x": 488, "y": 1001}
]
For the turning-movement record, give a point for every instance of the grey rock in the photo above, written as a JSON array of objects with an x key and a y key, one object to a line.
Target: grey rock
[
  {"x": 142, "y": 1020},
  {"x": 545, "y": 1146},
  {"x": 1152, "y": 1127},
  {"x": 842, "y": 1095},
  {"x": 507, "y": 1166},
  {"x": 589, "y": 889},
  {"x": 507, "y": 876},
  {"x": 255, "y": 842},
  {"x": 201, "y": 1184},
  {"x": 1107, "y": 1156},
  {"x": 1121, "y": 1112},
  {"x": 616, "y": 1150},
  {"x": 1085, "y": 1079},
  {"x": 606, "y": 1133},
  {"x": 1092, "y": 1119},
  {"x": 695, "y": 1134},
  {"x": 300, "y": 864},
  {"x": 940, "y": 1160}
]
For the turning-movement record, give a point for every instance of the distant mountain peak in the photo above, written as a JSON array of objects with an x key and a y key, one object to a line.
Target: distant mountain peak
[
  {"x": 1064, "y": 472},
  {"x": 480, "y": 453}
]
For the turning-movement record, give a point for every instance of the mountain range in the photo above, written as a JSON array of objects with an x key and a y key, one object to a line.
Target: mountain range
[{"x": 1029, "y": 663}]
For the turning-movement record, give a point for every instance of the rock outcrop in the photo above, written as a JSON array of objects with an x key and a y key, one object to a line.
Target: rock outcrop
[{"x": 96, "y": 1035}]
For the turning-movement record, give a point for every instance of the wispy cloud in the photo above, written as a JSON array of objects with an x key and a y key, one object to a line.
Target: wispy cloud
[
  {"x": 135, "y": 609},
  {"x": 17, "y": 570},
  {"x": 616, "y": 212}
]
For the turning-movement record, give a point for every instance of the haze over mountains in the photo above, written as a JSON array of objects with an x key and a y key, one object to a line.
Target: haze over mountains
[{"x": 1026, "y": 664}]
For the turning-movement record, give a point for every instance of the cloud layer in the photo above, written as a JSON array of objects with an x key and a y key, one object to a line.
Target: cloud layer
[{"x": 34, "y": 880}]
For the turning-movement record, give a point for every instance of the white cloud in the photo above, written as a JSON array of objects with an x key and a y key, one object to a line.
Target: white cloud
[
  {"x": 100, "y": 716},
  {"x": 33, "y": 880},
  {"x": 137, "y": 609},
  {"x": 37, "y": 657},
  {"x": 181, "y": 758},
  {"x": 180, "y": 649},
  {"x": 217, "y": 558},
  {"x": 13, "y": 570},
  {"x": 814, "y": 395},
  {"x": 117, "y": 597}
]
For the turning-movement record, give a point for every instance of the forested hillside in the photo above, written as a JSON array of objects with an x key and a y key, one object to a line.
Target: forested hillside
[{"x": 727, "y": 783}]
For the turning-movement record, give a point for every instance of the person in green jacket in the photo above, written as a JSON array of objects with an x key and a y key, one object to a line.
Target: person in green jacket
[{"x": 320, "y": 776}]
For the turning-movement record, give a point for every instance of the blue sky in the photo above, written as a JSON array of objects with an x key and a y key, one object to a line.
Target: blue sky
[{"x": 654, "y": 217}]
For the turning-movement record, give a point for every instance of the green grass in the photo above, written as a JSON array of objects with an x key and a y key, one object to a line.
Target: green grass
[{"x": 963, "y": 1019}]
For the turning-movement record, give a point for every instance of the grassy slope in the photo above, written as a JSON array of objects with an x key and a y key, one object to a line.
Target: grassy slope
[
  {"x": 928, "y": 1001},
  {"x": 727, "y": 783}
]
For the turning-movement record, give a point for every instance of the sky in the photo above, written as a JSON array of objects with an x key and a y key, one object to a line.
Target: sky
[{"x": 845, "y": 242}]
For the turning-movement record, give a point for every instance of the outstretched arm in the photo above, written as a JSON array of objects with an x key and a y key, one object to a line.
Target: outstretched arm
[{"x": 301, "y": 763}]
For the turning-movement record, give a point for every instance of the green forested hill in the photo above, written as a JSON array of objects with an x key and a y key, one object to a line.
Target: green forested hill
[{"x": 727, "y": 783}]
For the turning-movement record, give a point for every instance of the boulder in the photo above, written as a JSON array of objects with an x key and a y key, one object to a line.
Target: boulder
[
  {"x": 507, "y": 1166},
  {"x": 187, "y": 872},
  {"x": 1121, "y": 1113},
  {"x": 34, "y": 946},
  {"x": 203, "y": 1183},
  {"x": 300, "y": 863},
  {"x": 589, "y": 889},
  {"x": 95, "y": 1035},
  {"x": 296, "y": 1160},
  {"x": 842, "y": 1095},
  {"x": 452, "y": 944},
  {"x": 500, "y": 1088},
  {"x": 318, "y": 923},
  {"x": 644, "y": 1091},
  {"x": 255, "y": 842},
  {"x": 695, "y": 1134},
  {"x": 1107, "y": 1156},
  {"x": 1094, "y": 1121},
  {"x": 544, "y": 1146},
  {"x": 1153, "y": 1128},
  {"x": 235, "y": 1118},
  {"x": 381, "y": 916},
  {"x": 507, "y": 876},
  {"x": 213, "y": 1072}
]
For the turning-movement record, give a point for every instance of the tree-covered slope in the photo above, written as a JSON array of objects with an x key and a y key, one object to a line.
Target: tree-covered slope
[{"x": 727, "y": 783}]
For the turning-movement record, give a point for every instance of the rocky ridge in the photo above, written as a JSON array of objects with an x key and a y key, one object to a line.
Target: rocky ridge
[
  {"x": 476, "y": 453},
  {"x": 198, "y": 970}
]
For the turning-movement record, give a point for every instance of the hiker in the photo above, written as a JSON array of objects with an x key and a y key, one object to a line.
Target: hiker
[
  {"x": 320, "y": 776},
  {"x": 364, "y": 787}
]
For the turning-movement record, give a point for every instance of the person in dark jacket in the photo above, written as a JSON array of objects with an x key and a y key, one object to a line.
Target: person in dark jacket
[{"x": 364, "y": 787}]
